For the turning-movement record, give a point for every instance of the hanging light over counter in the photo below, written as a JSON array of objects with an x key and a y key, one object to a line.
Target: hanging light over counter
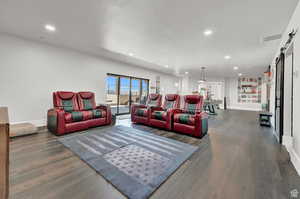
[{"x": 202, "y": 75}]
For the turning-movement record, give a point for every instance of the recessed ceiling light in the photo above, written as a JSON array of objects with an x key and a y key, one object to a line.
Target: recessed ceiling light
[
  {"x": 208, "y": 32},
  {"x": 240, "y": 74},
  {"x": 167, "y": 66},
  {"x": 186, "y": 72},
  {"x": 227, "y": 57},
  {"x": 130, "y": 54},
  {"x": 50, "y": 28},
  {"x": 235, "y": 68}
]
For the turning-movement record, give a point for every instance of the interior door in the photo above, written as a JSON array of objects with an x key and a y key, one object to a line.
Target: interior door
[{"x": 279, "y": 98}]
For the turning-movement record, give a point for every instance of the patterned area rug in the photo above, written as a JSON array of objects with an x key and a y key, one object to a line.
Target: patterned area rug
[{"x": 135, "y": 162}]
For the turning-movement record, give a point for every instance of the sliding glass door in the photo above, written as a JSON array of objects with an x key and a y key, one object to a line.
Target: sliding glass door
[
  {"x": 123, "y": 91},
  {"x": 135, "y": 90},
  {"x": 144, "y": 91},
  {"x": 112, "y": 90},
  {"x": 124, "y": 95}
]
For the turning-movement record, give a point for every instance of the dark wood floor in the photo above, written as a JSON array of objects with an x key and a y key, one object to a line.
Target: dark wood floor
[{"x": 237, "y": 160}]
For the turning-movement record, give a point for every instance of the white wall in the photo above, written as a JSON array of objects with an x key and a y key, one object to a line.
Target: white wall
[
  {"x": 231, "y": 92},
  {"x": 288, "y": 95},
  {"x": 31, "y": 71},
  {"x": 185, "y": 86},
  {"x": 189, "y": 85},
  {"x": 294, "y": 146}
]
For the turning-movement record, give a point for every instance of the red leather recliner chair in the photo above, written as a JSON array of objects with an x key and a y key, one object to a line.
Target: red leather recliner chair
[
  {"x": 140, "y": 113},
  {"x": 75, "y": 112},
  {"x": 191, "y": 120},
  {"x": 162, "y": 117}
]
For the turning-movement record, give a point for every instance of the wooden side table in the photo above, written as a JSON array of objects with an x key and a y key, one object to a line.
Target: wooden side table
[{"x": 4, "y": 153}]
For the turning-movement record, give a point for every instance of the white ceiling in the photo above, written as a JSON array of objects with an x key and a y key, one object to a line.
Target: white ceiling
[{"x": 158, "y": 32}]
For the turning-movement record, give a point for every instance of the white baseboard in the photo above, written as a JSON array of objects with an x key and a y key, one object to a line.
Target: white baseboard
[
  {"x": 243, "y": 108},
  {"x": 287, "y": 141},
  {"x": 37, "y": 123},
  {"x": 295, "y": 159}
]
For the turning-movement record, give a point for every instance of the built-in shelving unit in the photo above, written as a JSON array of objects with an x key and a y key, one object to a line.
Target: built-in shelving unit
[{"x": 249, "y": 90}]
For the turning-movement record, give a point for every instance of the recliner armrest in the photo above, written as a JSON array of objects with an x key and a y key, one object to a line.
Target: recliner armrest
[
  {"x": 103, "y": 106},
  {"x": 177, "y": 110},
  {"x": 56, "y": 120},
  {"x": 155, "y": 108},
  {"x": 137, "y": 106},
  {"x": 200, "y": 116},
  {"x": 107, "y": 108},
  {"x": 170, "y": 117},
  {"x": 134, "y": 107},
  {"x": 171, "y": 111}
]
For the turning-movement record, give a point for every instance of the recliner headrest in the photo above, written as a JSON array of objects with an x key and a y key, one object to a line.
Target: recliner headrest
[
  {"x": 171, "y": 97},
  {"x": 192, "y": 99},
  {"x": 65, "y": 95},
  {"x": 154, "y": 96},
  {"x": 86, "y": 95}
]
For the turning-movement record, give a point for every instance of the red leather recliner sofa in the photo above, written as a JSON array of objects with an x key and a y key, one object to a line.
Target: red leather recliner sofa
[
  {"x": 76, "y": 111},
  {"x": 162, "y": 117},
  {"x": 140, "y": 113},
  {"x": 191, "y": 120}
]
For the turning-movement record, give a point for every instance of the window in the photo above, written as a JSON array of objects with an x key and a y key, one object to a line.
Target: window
[
  {"x": 145, "y": 91},
  {"x": 122, "y": 91}
]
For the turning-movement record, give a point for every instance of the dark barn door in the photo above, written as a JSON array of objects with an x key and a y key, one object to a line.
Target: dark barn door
[{"x": 279, "y": 96}]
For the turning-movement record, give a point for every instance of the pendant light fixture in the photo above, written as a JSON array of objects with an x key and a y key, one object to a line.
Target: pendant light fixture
[{"x": 202, "y": 75}]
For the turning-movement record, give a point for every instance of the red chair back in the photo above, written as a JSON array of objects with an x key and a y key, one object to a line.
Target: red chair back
[
  {"x": 65, "y": 100},
  {"x": 86, "y": 100},
  {"x": 171, "y": 101},
  {"x": 154, "y": 100},
  {"x": 193, "y": 103}
]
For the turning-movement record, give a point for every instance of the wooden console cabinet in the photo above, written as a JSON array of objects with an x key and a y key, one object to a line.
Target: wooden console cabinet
[{"x": 4, "y": 153}]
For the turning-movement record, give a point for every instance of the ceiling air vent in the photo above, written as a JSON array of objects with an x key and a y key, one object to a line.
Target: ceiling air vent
[{"x": 272, "y": 38}]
